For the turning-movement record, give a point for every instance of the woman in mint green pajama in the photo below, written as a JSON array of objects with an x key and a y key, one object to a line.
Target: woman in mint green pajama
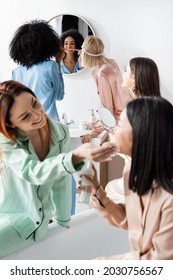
[{"x": 35, "y": 168}]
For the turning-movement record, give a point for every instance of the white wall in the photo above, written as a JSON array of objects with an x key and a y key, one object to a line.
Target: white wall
[{"x": 128, "y": 29}]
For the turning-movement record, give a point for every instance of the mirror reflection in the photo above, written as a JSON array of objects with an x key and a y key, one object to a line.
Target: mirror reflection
[
  {"x": 107, "y": 119},
  {"x": 72, "y": 30},
  {"x": 72, "y": 41}
]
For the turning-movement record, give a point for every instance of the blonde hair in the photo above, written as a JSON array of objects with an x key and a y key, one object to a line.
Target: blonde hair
[{"x": 92, "y": 52}]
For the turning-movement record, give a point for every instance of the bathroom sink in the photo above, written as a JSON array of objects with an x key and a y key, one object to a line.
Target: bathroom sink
[{"x": 75, "y": 132}]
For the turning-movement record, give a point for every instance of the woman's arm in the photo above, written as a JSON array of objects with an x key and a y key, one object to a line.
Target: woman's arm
[
  {"x": 58, "y": 82},
  {"x": 28, "y": 167},
  {"x": 114, "y": 213},
  {"x": 93, "y": 153}
]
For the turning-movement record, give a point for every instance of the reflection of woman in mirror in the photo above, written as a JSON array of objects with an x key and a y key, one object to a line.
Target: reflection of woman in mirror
[
  {"x": 72, "y": 41},
  {"x": 33, "y": 46},
  {"x": 144, "y": 133},
  {"x": 35, "y": 168}
]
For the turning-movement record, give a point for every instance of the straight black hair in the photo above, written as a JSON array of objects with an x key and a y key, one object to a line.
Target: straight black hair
[
  {"x": 151, "y": 119},
  {"x": 147, "y": 81}
]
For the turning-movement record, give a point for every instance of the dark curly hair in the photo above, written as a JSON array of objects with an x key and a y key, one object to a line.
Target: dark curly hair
[
  {"x": 34, "y": 42},
  {"x": 76, "y": 35}
]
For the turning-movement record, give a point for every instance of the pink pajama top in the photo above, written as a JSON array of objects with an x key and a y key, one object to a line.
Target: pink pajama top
[
  {"x": 150, "y": 226},
  {"x": 108, "y": 79}
]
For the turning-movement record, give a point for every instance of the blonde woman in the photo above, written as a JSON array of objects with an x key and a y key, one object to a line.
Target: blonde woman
[{"x": 106, "y": 74}]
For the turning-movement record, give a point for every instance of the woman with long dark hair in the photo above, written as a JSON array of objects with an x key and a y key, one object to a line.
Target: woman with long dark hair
[{"x": 145, "y": 133}]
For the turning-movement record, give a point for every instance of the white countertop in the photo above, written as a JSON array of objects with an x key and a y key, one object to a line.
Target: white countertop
[{"x": 75, "y": 132}]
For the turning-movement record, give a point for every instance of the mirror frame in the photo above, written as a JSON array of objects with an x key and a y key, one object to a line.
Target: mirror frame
[
  {"x": 86, "y": 22},
  {"x": 107, "y": 118}
]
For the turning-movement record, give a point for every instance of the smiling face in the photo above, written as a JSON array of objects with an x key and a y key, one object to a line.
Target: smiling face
[
  {"x": 69, "y": 43},
  {"x": 122, "y": 136},
  {"x": 27, "y": 113}
]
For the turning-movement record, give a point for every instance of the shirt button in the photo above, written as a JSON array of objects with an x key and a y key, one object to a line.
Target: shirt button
[
  {"x": 40, "y": 209},
  {"x": 37, "y": 223}
]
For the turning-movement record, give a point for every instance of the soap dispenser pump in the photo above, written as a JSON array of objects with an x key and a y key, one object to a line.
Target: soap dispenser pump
[{"x": 91, "y": 119}]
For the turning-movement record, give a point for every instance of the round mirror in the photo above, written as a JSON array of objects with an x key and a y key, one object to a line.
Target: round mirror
[
  {"x": 107, "y": 118},
  {"x": 72, "y": 30}
]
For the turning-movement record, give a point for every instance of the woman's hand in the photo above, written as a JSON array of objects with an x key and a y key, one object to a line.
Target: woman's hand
[
  {"x": 112, "y": 137},
  {"x": 93, "y": 153},
  {"x": 112, "y": 140},
  {"x": 98, "y": 126},
  {"x": 86, "y": 138},
  {"x": 93, "y": 183},
  {"x": 97, "y": 129}
]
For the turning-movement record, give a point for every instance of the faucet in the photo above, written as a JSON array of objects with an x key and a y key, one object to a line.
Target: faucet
[{"x": 65, "y": 120}]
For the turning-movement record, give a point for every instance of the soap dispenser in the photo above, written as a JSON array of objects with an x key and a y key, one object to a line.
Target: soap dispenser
[{"x": 91, "y": 119}]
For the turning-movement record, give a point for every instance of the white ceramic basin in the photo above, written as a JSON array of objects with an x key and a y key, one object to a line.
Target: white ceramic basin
[
  {"x": 89, "y": 237},
  {"x": 75, "y": 132}
]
